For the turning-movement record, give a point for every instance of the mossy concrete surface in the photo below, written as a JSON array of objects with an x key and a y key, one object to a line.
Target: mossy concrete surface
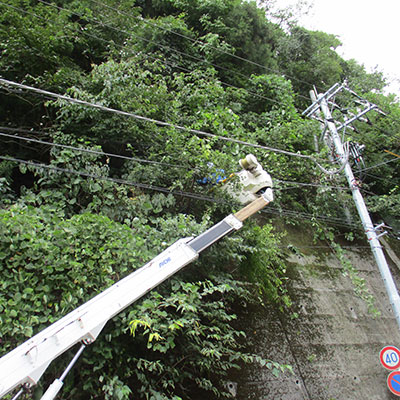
[{"x": 328, "y": 336}]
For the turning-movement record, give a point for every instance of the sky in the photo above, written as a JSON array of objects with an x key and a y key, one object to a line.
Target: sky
[{"x": 368, "y": 29}]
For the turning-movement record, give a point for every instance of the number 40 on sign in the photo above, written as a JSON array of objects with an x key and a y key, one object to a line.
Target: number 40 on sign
[{"x": 390, "y": 357}]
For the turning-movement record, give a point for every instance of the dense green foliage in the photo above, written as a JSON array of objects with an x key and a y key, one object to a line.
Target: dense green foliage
[{"x": 66, "y": 236}]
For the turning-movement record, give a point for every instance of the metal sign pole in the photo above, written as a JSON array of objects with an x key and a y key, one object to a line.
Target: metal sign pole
[{"x": 363, "y": 212}]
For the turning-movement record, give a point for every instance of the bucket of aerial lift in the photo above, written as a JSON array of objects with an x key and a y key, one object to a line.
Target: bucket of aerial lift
[{"x": 251, "y": 182}]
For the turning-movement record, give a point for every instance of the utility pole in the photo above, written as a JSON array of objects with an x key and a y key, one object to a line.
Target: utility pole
[{"x": 332, "y": 138}]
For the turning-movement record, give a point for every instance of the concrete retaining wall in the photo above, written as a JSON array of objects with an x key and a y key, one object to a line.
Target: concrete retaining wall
[{"x": 333, "y": 342}]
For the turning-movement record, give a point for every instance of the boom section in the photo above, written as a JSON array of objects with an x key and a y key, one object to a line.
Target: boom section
[{"x": 26, "y": 364}]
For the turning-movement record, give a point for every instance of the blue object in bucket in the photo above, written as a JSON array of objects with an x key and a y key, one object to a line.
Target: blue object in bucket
[{"x": 216, "y": 177}]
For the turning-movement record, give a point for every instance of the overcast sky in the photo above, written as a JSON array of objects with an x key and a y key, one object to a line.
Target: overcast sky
[{"x": 368, "y": 29}]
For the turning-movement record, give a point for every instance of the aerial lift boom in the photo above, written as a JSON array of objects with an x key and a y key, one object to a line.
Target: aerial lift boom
[{"x": 25, "y": 364}]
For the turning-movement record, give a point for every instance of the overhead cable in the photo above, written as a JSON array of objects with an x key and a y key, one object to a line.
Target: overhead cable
[
  {"x": 46, "y": 93},
  {"x": 393, "y": 154},
  {"x": 380, "y": 164},
  {"x": 140, "y": 160},
  {"x": 115, "y": 180},
  {"x": 379, "y": 178},
  {"x": 289, "y": 246},
  {"x": 196, "y": 196},
  {"x": 303, "y": 215},
  {"x": 90, "y": 151},
  {"x": 312, "y": 185}
]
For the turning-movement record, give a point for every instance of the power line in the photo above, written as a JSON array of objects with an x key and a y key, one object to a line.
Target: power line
[
  {"x": 197, "y": 196},
  {"x": 378, "y": 165},
  {"x": 108, "y": 179},
  {"x": 308, "y": 217},
  {"x": 90, "y": 151},
  {"x": 301, "y": 246},
  {"x": 46, "y": 93},
  {"x": 140, "y": 160},
  {"x": 393, "y": 154},
  {"x": 380, "y": 178},
  {"x": 312, "y": 185},
  {"x": 162, "y": 123}
]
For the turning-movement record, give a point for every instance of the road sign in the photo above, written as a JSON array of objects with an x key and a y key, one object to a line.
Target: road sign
[
  {"x": 390, "y": 357},
  {"x": 394, "y": 382}
]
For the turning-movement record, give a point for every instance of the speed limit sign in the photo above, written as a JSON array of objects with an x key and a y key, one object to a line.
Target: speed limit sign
[{"x": 390, "y": 357}]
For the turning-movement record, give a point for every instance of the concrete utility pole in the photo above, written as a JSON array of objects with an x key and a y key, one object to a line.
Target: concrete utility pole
[{"x": 320, "y": 104}]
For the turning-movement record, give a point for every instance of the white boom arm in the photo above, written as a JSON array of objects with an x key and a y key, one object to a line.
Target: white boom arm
[{"x": 25, "y": 364}]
